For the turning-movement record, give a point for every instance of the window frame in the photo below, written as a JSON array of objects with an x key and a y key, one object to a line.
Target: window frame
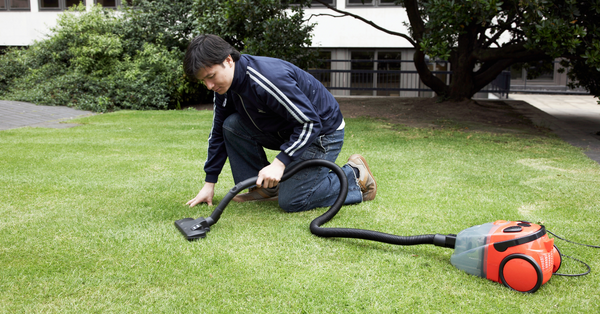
[
  {"x": 62, "y": 5},
  {"x": 7, "y": 7},
  {"x": 372, "y": 4},
  {"x": 315, "y": 4},
  {"x": 388, "y": 4},
  {"x": 118, "y": 4},
  {"x": 543, "y": 79}
]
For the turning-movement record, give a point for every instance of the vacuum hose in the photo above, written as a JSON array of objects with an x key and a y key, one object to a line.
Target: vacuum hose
[{"x": 315, "y": 225}]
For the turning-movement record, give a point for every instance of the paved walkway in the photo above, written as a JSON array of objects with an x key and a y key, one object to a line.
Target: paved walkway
[
  {"x": 576, "y": 119},
  {"x": 15, "y": 114}
]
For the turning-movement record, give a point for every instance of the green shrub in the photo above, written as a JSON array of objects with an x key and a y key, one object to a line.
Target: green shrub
[
  {"x": 84, "y": 64},
  {"x": 12, "y": 65}
]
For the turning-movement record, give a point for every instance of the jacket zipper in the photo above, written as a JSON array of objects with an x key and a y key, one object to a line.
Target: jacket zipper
[{"x": 244, "y": 106}]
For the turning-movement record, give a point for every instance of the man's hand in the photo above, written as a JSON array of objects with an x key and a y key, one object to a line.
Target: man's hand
[
  {"x": 205, "y": 195},
  {"x": 270, "y": 175}
]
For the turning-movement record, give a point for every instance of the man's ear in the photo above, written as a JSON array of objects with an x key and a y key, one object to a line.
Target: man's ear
[{"x": 229, "y": 60}]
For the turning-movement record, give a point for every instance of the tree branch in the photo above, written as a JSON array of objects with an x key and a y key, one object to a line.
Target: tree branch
[
  {"x": 515, "y": 51},
  {"x": 492, "y": 70},
  {"x": 415, "y": 19},
  {"x": 323, "y": 14},
  {"x": 385, "y": 30},
  {"x": 500, "y": 29}
]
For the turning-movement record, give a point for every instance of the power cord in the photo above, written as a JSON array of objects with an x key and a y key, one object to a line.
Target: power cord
[{"x": 582, "y": 262}]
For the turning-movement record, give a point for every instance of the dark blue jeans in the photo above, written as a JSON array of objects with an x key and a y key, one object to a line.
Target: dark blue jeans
[{"x": 310, "y": 187}]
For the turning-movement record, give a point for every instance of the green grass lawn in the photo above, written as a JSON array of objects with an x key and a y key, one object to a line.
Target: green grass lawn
[{"x": 86, "y": 223}]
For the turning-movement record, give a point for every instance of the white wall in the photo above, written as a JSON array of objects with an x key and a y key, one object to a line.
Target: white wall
[
  {"x": 348, "y": 32},
  {"x": 22, "y": 28}
]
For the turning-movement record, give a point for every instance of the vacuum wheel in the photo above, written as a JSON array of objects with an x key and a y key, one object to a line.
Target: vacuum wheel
[
  {"x": 521, "y": 273},
  {"x": 557, "y": 260}
]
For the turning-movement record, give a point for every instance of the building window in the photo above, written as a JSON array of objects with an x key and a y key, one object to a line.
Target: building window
[
  {"x": 361, "y": 77},
  {"x": 371, "y": 3},
  {"x": 389, "y": 65},
  {"x": 361, "y": 2},
  {"x": 58, "y": 4},
  {"x": 15, "y": 5},
  {"x": 316, "y": 3},
  {"x": 114, "y": 3},
  {"x": 383, "y": 72},
  {"x": 322, "y": 69},
  {"x": 540, "y": 71}
]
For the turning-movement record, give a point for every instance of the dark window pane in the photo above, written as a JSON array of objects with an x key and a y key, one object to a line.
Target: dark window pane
[
  {"x": 108, "y": 3},
  {"x": 70, "y": 3},
  {"x": 360, "y": 2},
  {"x": 362, "y": 72},
  {"x": 19, "y": 4},
  {"x": 49, "y": 4},
  {"x": 541, "y": 70},
  {"x": 388, "y": 61},
  {"x": 2, "y": 4},
  {"x": 321, "y": 69},
  {"x": 516, "y": 71}
]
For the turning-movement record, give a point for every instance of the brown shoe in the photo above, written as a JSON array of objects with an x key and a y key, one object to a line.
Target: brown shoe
[
  {"x": 365, "y": 179},
  {"x": 258, "y": 194}
]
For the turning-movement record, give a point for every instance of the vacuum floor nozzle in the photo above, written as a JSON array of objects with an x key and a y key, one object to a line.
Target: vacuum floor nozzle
[{"x": 193, "y": 229}]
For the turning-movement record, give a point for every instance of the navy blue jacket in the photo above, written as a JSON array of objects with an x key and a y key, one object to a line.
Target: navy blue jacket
[{"x": 277, "y": 97}]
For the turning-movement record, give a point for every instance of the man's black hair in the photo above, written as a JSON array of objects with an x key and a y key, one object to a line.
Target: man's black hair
[{"x": 205, "y": 51}]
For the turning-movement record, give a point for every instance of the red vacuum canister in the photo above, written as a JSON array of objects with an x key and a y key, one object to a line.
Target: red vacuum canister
[{"x": 518, "y": 254}]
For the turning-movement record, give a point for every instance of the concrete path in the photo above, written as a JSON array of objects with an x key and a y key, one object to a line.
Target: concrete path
[
  {"x": 15, "y": 114},
  {"x": 575, "y": 119}
]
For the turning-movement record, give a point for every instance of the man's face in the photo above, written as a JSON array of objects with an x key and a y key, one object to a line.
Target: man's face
[{"x": 218, "y": 77}]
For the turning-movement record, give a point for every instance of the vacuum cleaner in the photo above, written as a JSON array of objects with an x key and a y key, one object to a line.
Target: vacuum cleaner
[{"x": 518, "y": 254}]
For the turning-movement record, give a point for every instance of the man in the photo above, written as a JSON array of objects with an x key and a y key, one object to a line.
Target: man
[{"x": 262, "y": 102}]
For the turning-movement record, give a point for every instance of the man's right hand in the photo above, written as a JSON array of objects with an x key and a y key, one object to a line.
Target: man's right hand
[{"x": 205, "y": 195}]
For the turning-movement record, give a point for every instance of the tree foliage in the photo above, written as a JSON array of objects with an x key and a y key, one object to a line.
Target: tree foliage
[
  {"x": 482, "y": 38},
  {"x": 270, "y": 28},
  {"x": 169, "y": 22}
]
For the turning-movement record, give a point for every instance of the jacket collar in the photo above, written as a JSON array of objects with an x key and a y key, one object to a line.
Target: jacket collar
[{"x": 239, "y": 75}]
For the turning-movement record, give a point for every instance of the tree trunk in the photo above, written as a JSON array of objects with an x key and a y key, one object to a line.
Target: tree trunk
[
  {"x": 461, "y": 80},
  {"x": 462, "y": 64}
]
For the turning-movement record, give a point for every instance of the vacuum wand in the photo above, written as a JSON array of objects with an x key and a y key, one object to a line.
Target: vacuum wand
[{"x": 193, "y": 229}]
